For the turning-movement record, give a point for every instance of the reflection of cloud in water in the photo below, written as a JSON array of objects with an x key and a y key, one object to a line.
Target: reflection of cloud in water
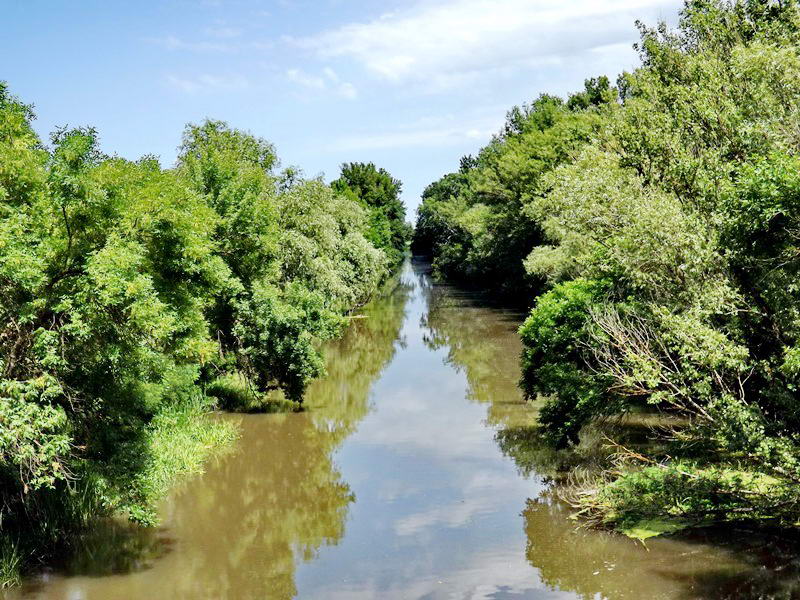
[
  {"x": 413, "y": 425},
  {"x": 491, "y": 573},
  {"x": 394, "y": 490},
  {"x": 479, "y": 497}
]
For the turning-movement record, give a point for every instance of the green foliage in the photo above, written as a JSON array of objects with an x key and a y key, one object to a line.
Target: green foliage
[
  {"x": 297, "y": 253},
  {"x": 474, "y": 224},
  {"x": 277, "y": 336},
  {"x": 597, "y": 91},
  {"x": 662, "y": 218},
  {"x": 35, "y": 434},
  {"x": 181, "y": 438},
  {"x": 126, "y": 288},
  {"x": 433, "y": 225},
  {"x": 555, "y": 337},
  {"x": 665, "y": 498},
  {"x": 233, "y": 392},
  {"x": 377, "y": 191},
  {"x": 11, "y": 563}
]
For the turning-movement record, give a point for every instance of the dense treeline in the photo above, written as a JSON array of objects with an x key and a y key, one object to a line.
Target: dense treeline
[
  {"x": 653, "y": 226},
  {"x": 134, "y": 299},
  {"x": 474, "y": 222}
]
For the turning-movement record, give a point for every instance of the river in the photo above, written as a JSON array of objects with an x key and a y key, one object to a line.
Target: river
[{"x": 414, "y": 472}]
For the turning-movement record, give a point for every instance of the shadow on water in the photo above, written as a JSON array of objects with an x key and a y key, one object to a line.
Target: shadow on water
[
  {"x": 118, "y": 547},
  {"x": 111, "y": 547},
  {"x": 732, "y": 563},
  {"x": 767, "y": 565}
]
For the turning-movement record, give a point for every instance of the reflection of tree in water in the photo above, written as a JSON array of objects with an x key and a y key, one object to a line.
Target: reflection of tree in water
[
  {"x": 482, "y": 343},
  {"x": 247, "y": 523},
  {"x": 275, "y": 503},
  {"x": 282, "y": 498},
  {"x": 114, "y": 546},
  {"x": 339, "y": 401}
]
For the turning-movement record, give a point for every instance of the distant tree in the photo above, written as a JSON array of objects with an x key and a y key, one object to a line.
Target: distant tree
[
  {"x": 379, "y": 192},
  {"x": 597, "y": 91}
]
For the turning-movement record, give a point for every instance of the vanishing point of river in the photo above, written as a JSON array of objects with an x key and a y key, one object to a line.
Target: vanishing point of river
[{"x": 413, "y": 473}]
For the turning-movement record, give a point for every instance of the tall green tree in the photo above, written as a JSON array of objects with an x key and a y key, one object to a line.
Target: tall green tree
[
  {"x": 296, "y": 250},
  {"x": 472, "y": 222}
]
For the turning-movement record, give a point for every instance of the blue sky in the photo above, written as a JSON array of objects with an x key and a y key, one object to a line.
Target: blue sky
[{"x": 410, "y": 85}]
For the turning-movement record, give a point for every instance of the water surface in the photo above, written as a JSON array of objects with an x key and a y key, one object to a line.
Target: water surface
[{"x": 415, "y": 472}]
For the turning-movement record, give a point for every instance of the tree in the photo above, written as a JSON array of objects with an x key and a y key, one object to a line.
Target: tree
[{"x": 379, "y": 193}]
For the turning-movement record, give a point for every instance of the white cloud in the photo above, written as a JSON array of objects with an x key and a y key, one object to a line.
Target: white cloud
[
  {"x": 223, "y": 32},
  {"x": 445, "y": 42},
  {"x": 306, "y": 80},
  {"x": 226, "y": 40},
  {"x": 208, "y": 83},
  {"x": 328, "y": 81},
  {"x": 171, "y": 42},
  {"x": 347, "y": 90},
  {"x": 331, "y": 74},
  {"x": 429, "y": 133}
]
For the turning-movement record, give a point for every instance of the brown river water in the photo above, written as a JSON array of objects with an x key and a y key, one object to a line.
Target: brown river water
[{"x": 414, "y": 472}]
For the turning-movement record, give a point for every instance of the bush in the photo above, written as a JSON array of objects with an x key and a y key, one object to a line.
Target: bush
[{"x": 556, "y": 337}]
